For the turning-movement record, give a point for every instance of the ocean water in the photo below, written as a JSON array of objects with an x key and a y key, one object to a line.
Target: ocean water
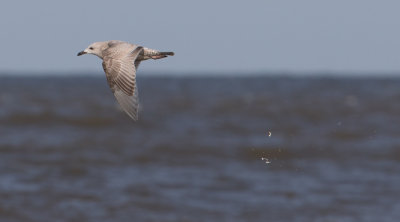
[{"x": 204, "y": 149}]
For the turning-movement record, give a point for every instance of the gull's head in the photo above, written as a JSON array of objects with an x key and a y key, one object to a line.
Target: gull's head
[{"x": 95, "y": 49}]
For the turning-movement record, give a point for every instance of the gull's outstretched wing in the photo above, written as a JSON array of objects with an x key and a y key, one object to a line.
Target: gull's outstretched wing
[{"x": 119, "y": 66}]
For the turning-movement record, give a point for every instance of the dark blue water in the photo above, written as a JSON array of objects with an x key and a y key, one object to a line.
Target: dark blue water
[{"x": 67, "y": 153}]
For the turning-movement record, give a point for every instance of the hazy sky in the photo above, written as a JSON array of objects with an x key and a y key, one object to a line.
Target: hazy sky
[{"x": 207, "y": 35}]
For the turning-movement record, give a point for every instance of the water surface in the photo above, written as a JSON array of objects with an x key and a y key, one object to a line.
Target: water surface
[{"x": 68, "y": 154}]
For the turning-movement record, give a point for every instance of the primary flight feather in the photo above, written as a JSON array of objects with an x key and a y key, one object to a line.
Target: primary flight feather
[{"x": 120, "y": 62}]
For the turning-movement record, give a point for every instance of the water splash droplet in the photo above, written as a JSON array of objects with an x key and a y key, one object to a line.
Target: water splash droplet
[{"x": 266, "y": 160}]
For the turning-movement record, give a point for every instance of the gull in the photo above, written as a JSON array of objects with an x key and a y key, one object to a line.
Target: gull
[{"x": 120, "y": 62}]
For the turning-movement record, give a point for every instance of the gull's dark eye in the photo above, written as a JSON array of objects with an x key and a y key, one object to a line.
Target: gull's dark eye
[{"x": 91, "y": 48}]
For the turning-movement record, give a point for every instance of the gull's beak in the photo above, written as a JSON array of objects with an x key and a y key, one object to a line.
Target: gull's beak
[{"x": 81, "y": 53}]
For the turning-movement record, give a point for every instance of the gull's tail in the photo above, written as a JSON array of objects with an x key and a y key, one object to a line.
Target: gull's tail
[
  {"x": 161, "y": 55},
  {"x": 153, "y": 54},
  {"x": 167, "y": 53}
]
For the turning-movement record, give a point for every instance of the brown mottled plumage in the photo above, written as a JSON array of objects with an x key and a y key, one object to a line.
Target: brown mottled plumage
[{"x": 120, "y": 61}]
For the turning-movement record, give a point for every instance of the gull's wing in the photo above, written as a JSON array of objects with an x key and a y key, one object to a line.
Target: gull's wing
[{"x": 120, "y": 69}]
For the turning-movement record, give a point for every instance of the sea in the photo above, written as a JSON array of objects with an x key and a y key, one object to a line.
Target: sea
[{"x": 205, "y": 148}]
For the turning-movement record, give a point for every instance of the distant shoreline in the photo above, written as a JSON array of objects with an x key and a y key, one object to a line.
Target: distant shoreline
[{"x": 192, "y": 74}]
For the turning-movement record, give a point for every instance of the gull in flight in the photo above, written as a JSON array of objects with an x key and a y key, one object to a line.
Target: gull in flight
[{"x": 120, "y": 62}]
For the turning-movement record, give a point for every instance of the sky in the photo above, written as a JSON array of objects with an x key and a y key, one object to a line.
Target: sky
[{"x": 225, "y": 36}]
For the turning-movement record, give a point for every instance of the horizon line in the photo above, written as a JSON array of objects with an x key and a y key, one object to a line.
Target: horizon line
[{"x": 239, "y": 73}]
